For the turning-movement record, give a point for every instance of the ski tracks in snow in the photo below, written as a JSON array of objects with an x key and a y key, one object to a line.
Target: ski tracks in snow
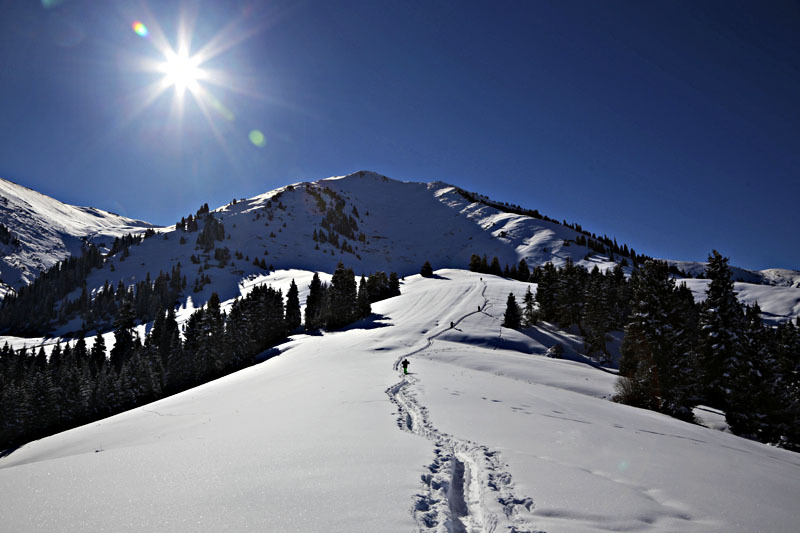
[{"x": 465, "y": 488}]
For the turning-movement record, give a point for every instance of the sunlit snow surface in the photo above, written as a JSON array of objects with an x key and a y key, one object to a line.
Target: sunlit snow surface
[{"x": 311, "y": 441}]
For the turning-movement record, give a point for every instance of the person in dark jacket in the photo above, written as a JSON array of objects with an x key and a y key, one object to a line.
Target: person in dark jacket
[{"x": 405, "y": 364}]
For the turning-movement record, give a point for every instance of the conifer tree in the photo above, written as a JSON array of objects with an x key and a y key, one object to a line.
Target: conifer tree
[
  {"x": 292, "y": 308},
  {"x": 495, "y": 268},
  {"x": 314, "y": 304},
  {"x": 529, "y": 313},
  {"x": 123, "y": 335},
  {"x": 512, "y": 316},
  {"x": 475, "y": 263},
  {"x": 595, "y": 320},
  {"x": 751, "y": 381},
  {"x": 721, "y": 321},
  {"x": 523, "y": 272},
  {"x": 343, "y": 298},
  {"x": 547, "y": 292},
  {"x": 394, "y": 285},
  {"x": 651, "y": 363},
  {"x": 427, "y": 270},
  {"x": 364, "y": 307}
]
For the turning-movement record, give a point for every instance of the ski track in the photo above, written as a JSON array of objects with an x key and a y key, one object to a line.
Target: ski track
[{"x": 465, "y": 489}]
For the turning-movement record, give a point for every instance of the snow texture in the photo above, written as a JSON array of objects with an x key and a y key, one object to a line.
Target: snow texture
[{"x": 484, "y": 434}]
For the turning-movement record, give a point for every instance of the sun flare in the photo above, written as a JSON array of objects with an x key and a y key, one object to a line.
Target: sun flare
[{"x": 181, "y": 71}]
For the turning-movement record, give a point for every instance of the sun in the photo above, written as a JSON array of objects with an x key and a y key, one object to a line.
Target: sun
[{"x": 181, "y": 71}]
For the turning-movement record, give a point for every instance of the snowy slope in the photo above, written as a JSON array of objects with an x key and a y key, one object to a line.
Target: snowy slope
[
  {"x": 404, "y": 224},
  {"x": 483, "y": 435},
  {"x": 780, "y": 277},
  {"x": 49, "y": 231},
  {"x": 778, "y": 304}
]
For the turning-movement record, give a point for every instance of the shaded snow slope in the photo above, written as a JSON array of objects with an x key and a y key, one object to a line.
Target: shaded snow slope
[
  {"x": 49, "y": 231},
  {"x": 485, "y": 434}
]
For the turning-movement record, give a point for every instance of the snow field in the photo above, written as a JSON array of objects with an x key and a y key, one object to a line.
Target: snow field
[{"x": 329, "y": 436}]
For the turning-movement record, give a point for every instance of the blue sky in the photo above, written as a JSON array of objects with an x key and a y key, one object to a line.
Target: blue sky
[{"x": 673, "y": 126}]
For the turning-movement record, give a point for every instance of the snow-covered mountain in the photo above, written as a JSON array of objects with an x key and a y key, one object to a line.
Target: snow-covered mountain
[
  {"x": 369, "y": 222},
  {"x": 43, "y": 231},
  {"x": 483, "y": 435}
]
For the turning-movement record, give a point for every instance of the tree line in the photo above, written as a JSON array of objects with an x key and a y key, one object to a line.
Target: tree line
[
  {"x": 40, "y": 396},
  {"x": 677, "y": 354}
]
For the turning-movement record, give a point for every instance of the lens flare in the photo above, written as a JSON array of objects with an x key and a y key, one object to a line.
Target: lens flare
[
  {"x": 140, "y": 29},
  {"x": 257, "y": 138}
]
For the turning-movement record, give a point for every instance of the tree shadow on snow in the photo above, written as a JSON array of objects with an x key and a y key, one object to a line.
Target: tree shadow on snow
[{"x": 373, "y": 321}]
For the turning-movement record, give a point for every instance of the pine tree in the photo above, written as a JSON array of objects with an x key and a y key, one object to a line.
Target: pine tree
[
  {"x": 721, "y": 321},
  {"x": 650, "y": 364},
  {"x": 364, "y": 307},
  {"x": 750, "y": 380},
  {"x": 475, "y": 263},
  {"x": 211, "y": 357},
  {"x": 529, "y": 313},
  {"x": 495, "y": 268},
  {"x": 595, "y": 320},
  {"x": 314, "y": 304},
  {"x": 394, "y": 285},
  {"x": 523, "y": 272},
  {"x": 292, "y": 308},
  {"x": 547, "y": 292},
  {"x": 427, "y": 270},
  {"x": 512, "y": 316},
  {"x": 343, "y": 298},
  {"x": 123, "y": 335}
]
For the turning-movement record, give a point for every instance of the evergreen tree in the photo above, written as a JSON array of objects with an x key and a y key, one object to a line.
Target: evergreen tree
[
  {"x": 343, "y": 298},
  {"x": 595, "y": 318},
  {"x": 523, "y": 272},
  {"x": 292, "y": 308},
  {"x": 97, "y": 355},
  {"x": 427, "y": 270},
  {"x": 571, "y": 283},
  {"x": 495, "y": 268},
  {"x": 123, "y": 335},
  {"x": 784, "y": 418},
  {"x": 547, "y": 292},
  {"x": 651, "y": 363},
  {"x": 512, "y": 316},
  {"x": 314, "y": 304},
  {"x": 211, "y": 357},
  {"x": 529, "y": 313},
  {"x": 475, "y": 263},
  {"x": 721, "y": 321},
  {"x": 364, "y": 307},
  {"x": 750, "y": 401},
  {"x": 394, "y": 285}
]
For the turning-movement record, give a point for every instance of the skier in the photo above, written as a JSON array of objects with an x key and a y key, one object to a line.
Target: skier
[
  {"x": 405, "y": 366},
  {"x": 452, "y": 325}
]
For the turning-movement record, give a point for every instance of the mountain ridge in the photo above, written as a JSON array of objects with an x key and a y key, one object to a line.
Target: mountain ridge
[
  {"x": 44, "y": 231},
  {"x": 370, "y": 223}
]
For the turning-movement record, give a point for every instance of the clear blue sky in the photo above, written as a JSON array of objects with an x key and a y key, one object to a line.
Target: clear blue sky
[{"x": 674, "y": 126}]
